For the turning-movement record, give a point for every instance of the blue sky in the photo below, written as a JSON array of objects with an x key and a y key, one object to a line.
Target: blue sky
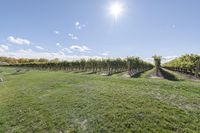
[{"x": 85, "y": 28}]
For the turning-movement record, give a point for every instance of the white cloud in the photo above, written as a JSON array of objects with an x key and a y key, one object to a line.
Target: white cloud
[
  {"x": 150, "y": 60},
  {"x": 164, "y": 59},
  {"x": 80, "y": 48},
  {"x": 76, "y": 48},
  {"x": 58, "y": 44},
  {"x": 57, "y": 32},
  {"x": 18, "y": 41},
  {"x": 67, "y": 50},
  {"x": 79, "y": 26},
  {"x": 3, "y": 48},
  {"x": 47, "y": 55},
  {"x": 77, "y": 23},
  {"x": 26, "y": 51},
  {"x": 39, "y": 47},
  {"x": 73, "y": 37},
  {"x": 168, "y": 58},
  {"x": 105, "y": 53}
]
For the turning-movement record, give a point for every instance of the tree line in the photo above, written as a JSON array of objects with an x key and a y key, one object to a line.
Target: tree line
[
  {"x": 133, "y": 65},
  {"x": 189, "y": 64},
  {"x": 10, "y": 60}
]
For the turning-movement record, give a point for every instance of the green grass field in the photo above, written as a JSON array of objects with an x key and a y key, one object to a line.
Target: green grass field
[{"x": 59, "y": 102}]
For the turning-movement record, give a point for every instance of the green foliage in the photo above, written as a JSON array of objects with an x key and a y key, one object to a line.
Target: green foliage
[
  {"x": 157, "y": 61},
  {"x": 186, "y": 63},
  {"x": 132, "y": 64},
  {"x": 22, "y": 60}
]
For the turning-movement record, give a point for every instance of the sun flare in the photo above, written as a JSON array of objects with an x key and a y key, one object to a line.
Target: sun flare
[{"x": 116, "y": 9}]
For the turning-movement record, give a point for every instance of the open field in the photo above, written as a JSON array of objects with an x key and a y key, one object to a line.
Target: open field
[
  {"x": 43, "y": 101},
  {"x": 99, "y": 66}
]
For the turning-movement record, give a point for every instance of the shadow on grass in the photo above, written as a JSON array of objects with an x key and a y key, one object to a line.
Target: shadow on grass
[
  {"x": 118, "y": 72},
  {"x": 106, "y": 74},
  {"x": 20, "y": 71},
  {"x": 78, "y": 71},
  {"x": 169, "y": 76},
  {"x": 138, "y": 75},
  {"x": 89, "y": 73},
  {"x": 17, "y": 73}
]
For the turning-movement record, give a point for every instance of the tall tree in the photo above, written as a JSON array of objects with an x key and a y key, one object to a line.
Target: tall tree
[{"x": 157, "y": 61}]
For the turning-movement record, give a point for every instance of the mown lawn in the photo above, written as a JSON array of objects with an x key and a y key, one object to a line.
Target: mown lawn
[{"x": 42, "y": 101}]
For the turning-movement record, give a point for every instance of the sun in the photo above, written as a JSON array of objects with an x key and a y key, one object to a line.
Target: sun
[{"x": 116, "y": 9}]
